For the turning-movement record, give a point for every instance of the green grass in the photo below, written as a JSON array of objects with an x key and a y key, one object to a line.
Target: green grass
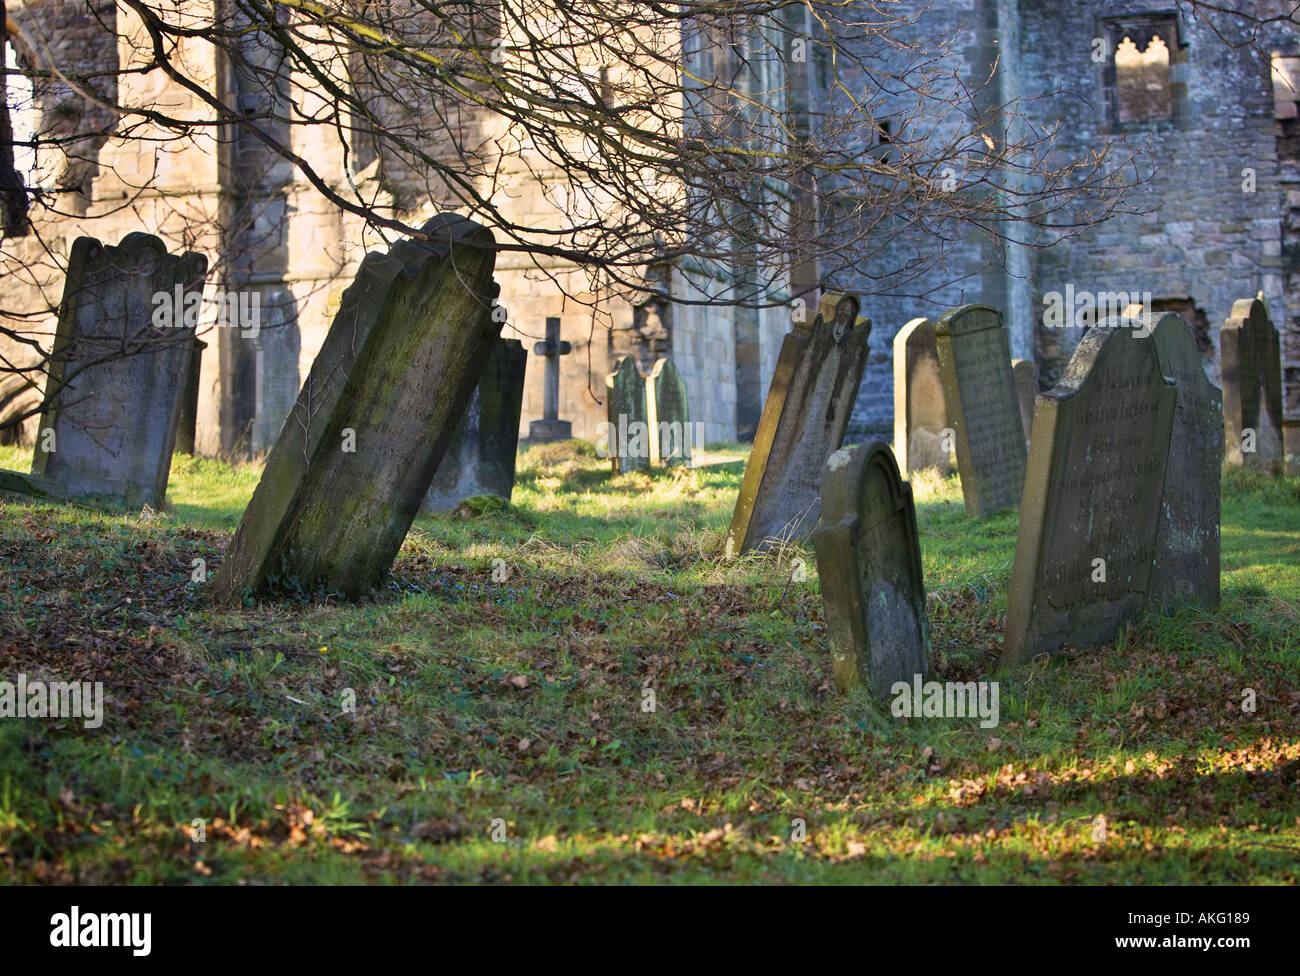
[{"x": 522, "y": 703}]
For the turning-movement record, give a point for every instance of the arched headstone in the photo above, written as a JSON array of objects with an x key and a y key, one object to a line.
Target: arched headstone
[{"x": 869, "y": 565}]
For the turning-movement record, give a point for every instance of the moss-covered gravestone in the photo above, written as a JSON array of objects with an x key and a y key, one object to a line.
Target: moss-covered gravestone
[
  {"x": 869, "y": 564},
  {"x": 804, "y": 418},
  {"x": 481, "y": 457},
  {"x": 1252, "y": 386},
  {"x": 1187, "y": 534},
  {"x": 1092, "y": 497},
  {"x": 626, "y": 410},
  {"x": 119, "y": 366},
  {"x": 983, "y": 407},
  {"x": 920, "y": 416},
  {"x": 385, "y": 395},
  {"x": 668, "y": 416}
]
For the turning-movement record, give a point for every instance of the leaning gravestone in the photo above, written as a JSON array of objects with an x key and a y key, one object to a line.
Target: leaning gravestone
[
  {"x": 1092, "y": 497},
  {"x": 1252, "y": 385},
  {"x": 1186, "y": 566},
  {"x": 869, "y": 564},
  {"x": 983, "y": 407},
  {"x": 118, "y": 370},
  {"x": 920, "y": 417},
  {"x": 668, "y": 416},
  {"x": 1026, "y": 373},
  {"x": 804, "y": 418},
  {"x": 481, "y": 457},
  {"x": 373, "y": 420},
  {"x": 626, "y": 411}
]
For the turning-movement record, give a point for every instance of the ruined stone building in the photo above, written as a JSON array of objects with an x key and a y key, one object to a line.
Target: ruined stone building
[
  {"x": 1221, "y": 221},
  {"x": 1222, "y": 216}
]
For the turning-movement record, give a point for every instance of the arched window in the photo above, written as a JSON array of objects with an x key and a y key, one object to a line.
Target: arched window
[
  {"x": 23, "y": 115},
  {"x": 1145, "y": 69},
  {"x": 17, "y": 145}
]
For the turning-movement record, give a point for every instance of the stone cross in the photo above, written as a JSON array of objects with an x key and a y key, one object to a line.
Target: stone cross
[{"x": 550, "y": 427}]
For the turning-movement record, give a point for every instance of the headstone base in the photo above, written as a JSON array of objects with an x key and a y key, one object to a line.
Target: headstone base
[{"x": 541, "y": 431}]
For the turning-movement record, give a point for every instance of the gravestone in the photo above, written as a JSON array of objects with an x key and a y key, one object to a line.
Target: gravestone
[
  {"x": 1186, "y": 569},
  {"x": 920, "y": 416},
  {"x": 668, "y": 416},
  {"x": 373, "y": 420},
  {"x": 551, "y": 427},
  {"x": 1026, "y": 374},
  {"x": 979, "y": 390},
  {"x": 1092, "y": 497},
  {"x": 808, "y": 405},
  {"x": 869, "y": 564},
  {"x": 626, "y": 410},
  {"x": 1291, "y": 447},
  {"x": 187, "y": 424},
  {"x": 1252, "y": 385},
  {"x": 118, "y": 370},
  {"x": 481, "y": 457}
]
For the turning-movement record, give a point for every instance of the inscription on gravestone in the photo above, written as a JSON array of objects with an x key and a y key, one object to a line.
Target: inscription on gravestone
[
  {"x": 804, "y": 418},
  {"x": 1092, "y": 497},
  {"x": 869, "y": 564},
  {"x": 1187, "y": 537},
  {"x": 920, "y": 416},
  {"x": 116, "y": 380},
  {"x": 983, "y": 407}
]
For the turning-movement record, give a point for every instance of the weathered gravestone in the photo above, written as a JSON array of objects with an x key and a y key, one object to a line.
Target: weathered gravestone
[
  {"x": 983, "y": 407},
  {"x": 1026, "y": 375},
  {"x": 804, "y": 418},
  {"x": 1092, "y": 497},
  {"x": 626, "y": 411},
  {"x": 1291, "y": 446},
  {"x": 920, "y": 417},
  {"x": 668, "y": 416},
  {"x": 373, "y": 420},
  {"x": 1186, "y": 566},
  {"x": 116, "y": 379},
  {"x": 869, "y": 564},
  {"x": 1252, "y": 385},
  {"x": 187, "y": 424},
  {"x": 481, "y": 457}
]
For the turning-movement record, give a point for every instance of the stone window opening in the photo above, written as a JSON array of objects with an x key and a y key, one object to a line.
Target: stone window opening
[
  {"x": 1142, "y": 80},
  {"x": 885, "y": 138},
  {"x": 18, "y": 128},
  {"x": 1145, "y": 69}
]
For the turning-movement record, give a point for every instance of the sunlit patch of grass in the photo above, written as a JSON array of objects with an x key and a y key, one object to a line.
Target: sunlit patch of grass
[{"x": 468, "y": 728}]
